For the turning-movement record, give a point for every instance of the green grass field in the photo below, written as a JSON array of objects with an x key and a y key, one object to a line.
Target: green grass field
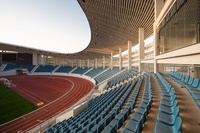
[{"x": 12, "y": 105}]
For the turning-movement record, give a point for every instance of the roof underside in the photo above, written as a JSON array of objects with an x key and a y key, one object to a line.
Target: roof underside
[{"x": 112, "y": 23}]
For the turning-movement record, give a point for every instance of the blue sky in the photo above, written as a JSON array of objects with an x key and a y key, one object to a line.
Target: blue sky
[{"x": 51, "y": 25}]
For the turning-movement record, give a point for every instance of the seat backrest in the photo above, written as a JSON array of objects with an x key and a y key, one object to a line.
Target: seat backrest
[
  {"x": 172, "y": 91},
  {"x": 182, "y": 77},
  {"x": 178, "y": 124},
  {"x": 198, "y": 87},
  {"x": 176, "y": 112},
  {"x": 186, "y": 79},
  {"x": 195, "y": 82},
  {"x": 191, "y": 79},
  {"x": 171, "y": 72},
  {"x": 175, "y": 103}
]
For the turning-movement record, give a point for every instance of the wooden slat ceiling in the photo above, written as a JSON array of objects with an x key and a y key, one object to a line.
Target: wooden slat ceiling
[{"x": 112, "y": 23}]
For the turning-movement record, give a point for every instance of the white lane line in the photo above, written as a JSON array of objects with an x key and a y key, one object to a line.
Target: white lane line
[{"x": 11, "y": 126}]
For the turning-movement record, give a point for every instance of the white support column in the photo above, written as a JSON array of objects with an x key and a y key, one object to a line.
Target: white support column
[
  {"x": 104, "y": 62},
  {"x": 41, "y": 59},
  {"x": 196, "y": 71},
  {"x": 111, "y": 60},
  {"x": 141, "y": 48},
  {"x": 1, "y": 56},
  {"x": 120, "y": 58},
  {"x": 80, "y": 63},
  {"x": 72, "y": 62},
  {"x": 129, "y": 55},
  {"x": 34, "y": 59},
  {"x": 158, "y": 7},
  {"x": 55, "y": 60},
  {"x": 155, "y": 48},
  {"x": 88, "y": 63},
  {"x": 161, "y": 68},
  {"x": 58, "y": 60},
  {"x": 96, "y": 63}
]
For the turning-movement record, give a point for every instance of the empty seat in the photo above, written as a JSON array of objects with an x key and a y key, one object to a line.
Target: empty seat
[
  {"x": 114, "y": 124},
  {"x": 143, "y": 112},
  {"x": 167, "y": 103},
  {"x": 138, "y": 117},
  {"x": 163, "y": 128},
  {"x": 168, "y": 110},
  {"x": 125, "y": 113},
  {"x": 145, "y": 105},
  {"x": 109, "y": 129},
  {"x": 120, "y": 119},
  {"x": 133, "y": 126},
  {"x": 125, "y": 131},
  {"x": 168, "y": 119},
  {"x": 95, "y": 129}
]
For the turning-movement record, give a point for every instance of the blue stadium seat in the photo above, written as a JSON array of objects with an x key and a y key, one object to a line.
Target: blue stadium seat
[
  {"x": 109, "y": 129},
  {"x": 45, "y": 68},
  {"x": 192, "y": 84},
  {"x": 64, "y": 69},
  {"x": 133, "y": 126},
  {"x": 94, "y": 72},
  {"x": 80, "y": 70},
  {"x": 120, "y": 119},
  {"x": 167, "y": 103},
  {"x": 138, "y": 117},
  {"x": 142, "y": 111},
  {"x": 95, "y": 129},
  {"x": 114, "y": 124},
  {"x": 125, "y": 112},
  {"x": 125, "y": 131},
  {"x": 168, "y": 119},
  {"x": 163, "y": 128},
  {"x": 166, "y": 109}
]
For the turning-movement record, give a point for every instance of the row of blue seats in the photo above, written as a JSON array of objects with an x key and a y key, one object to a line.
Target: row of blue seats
[
  {"x": 81, "y": 70},
  {"x": 121, "y": 116},
  {"x": 85, "y": 115},
  {"x": 116, "y": 82},
  {"x": 17, "y": 66},
  {"x": 51, "y": 68},
  {"x": 98, "y": 114},
  {"x": 64, "y": 69},
  {"x": 121, "y": 77},
  {"x": 96, "y": 99},
  {"x": 115, "y": 111},
  {"x": 188, "y": 82},
  {"x": 135, "y": 124},
  {"x": 168, "y": 120},
  {"x": 105, "y": 75},
  {"x": 45, "y": 68},
  {"x": 94, "y": 72},
  {"x": 41, "y": 68}
]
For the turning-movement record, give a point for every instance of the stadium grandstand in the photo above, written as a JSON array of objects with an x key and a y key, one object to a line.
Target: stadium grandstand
[{"x": 140, "y": 73}]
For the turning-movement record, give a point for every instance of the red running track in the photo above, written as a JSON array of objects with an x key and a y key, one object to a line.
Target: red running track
[{"x": 66, "y": 90}]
